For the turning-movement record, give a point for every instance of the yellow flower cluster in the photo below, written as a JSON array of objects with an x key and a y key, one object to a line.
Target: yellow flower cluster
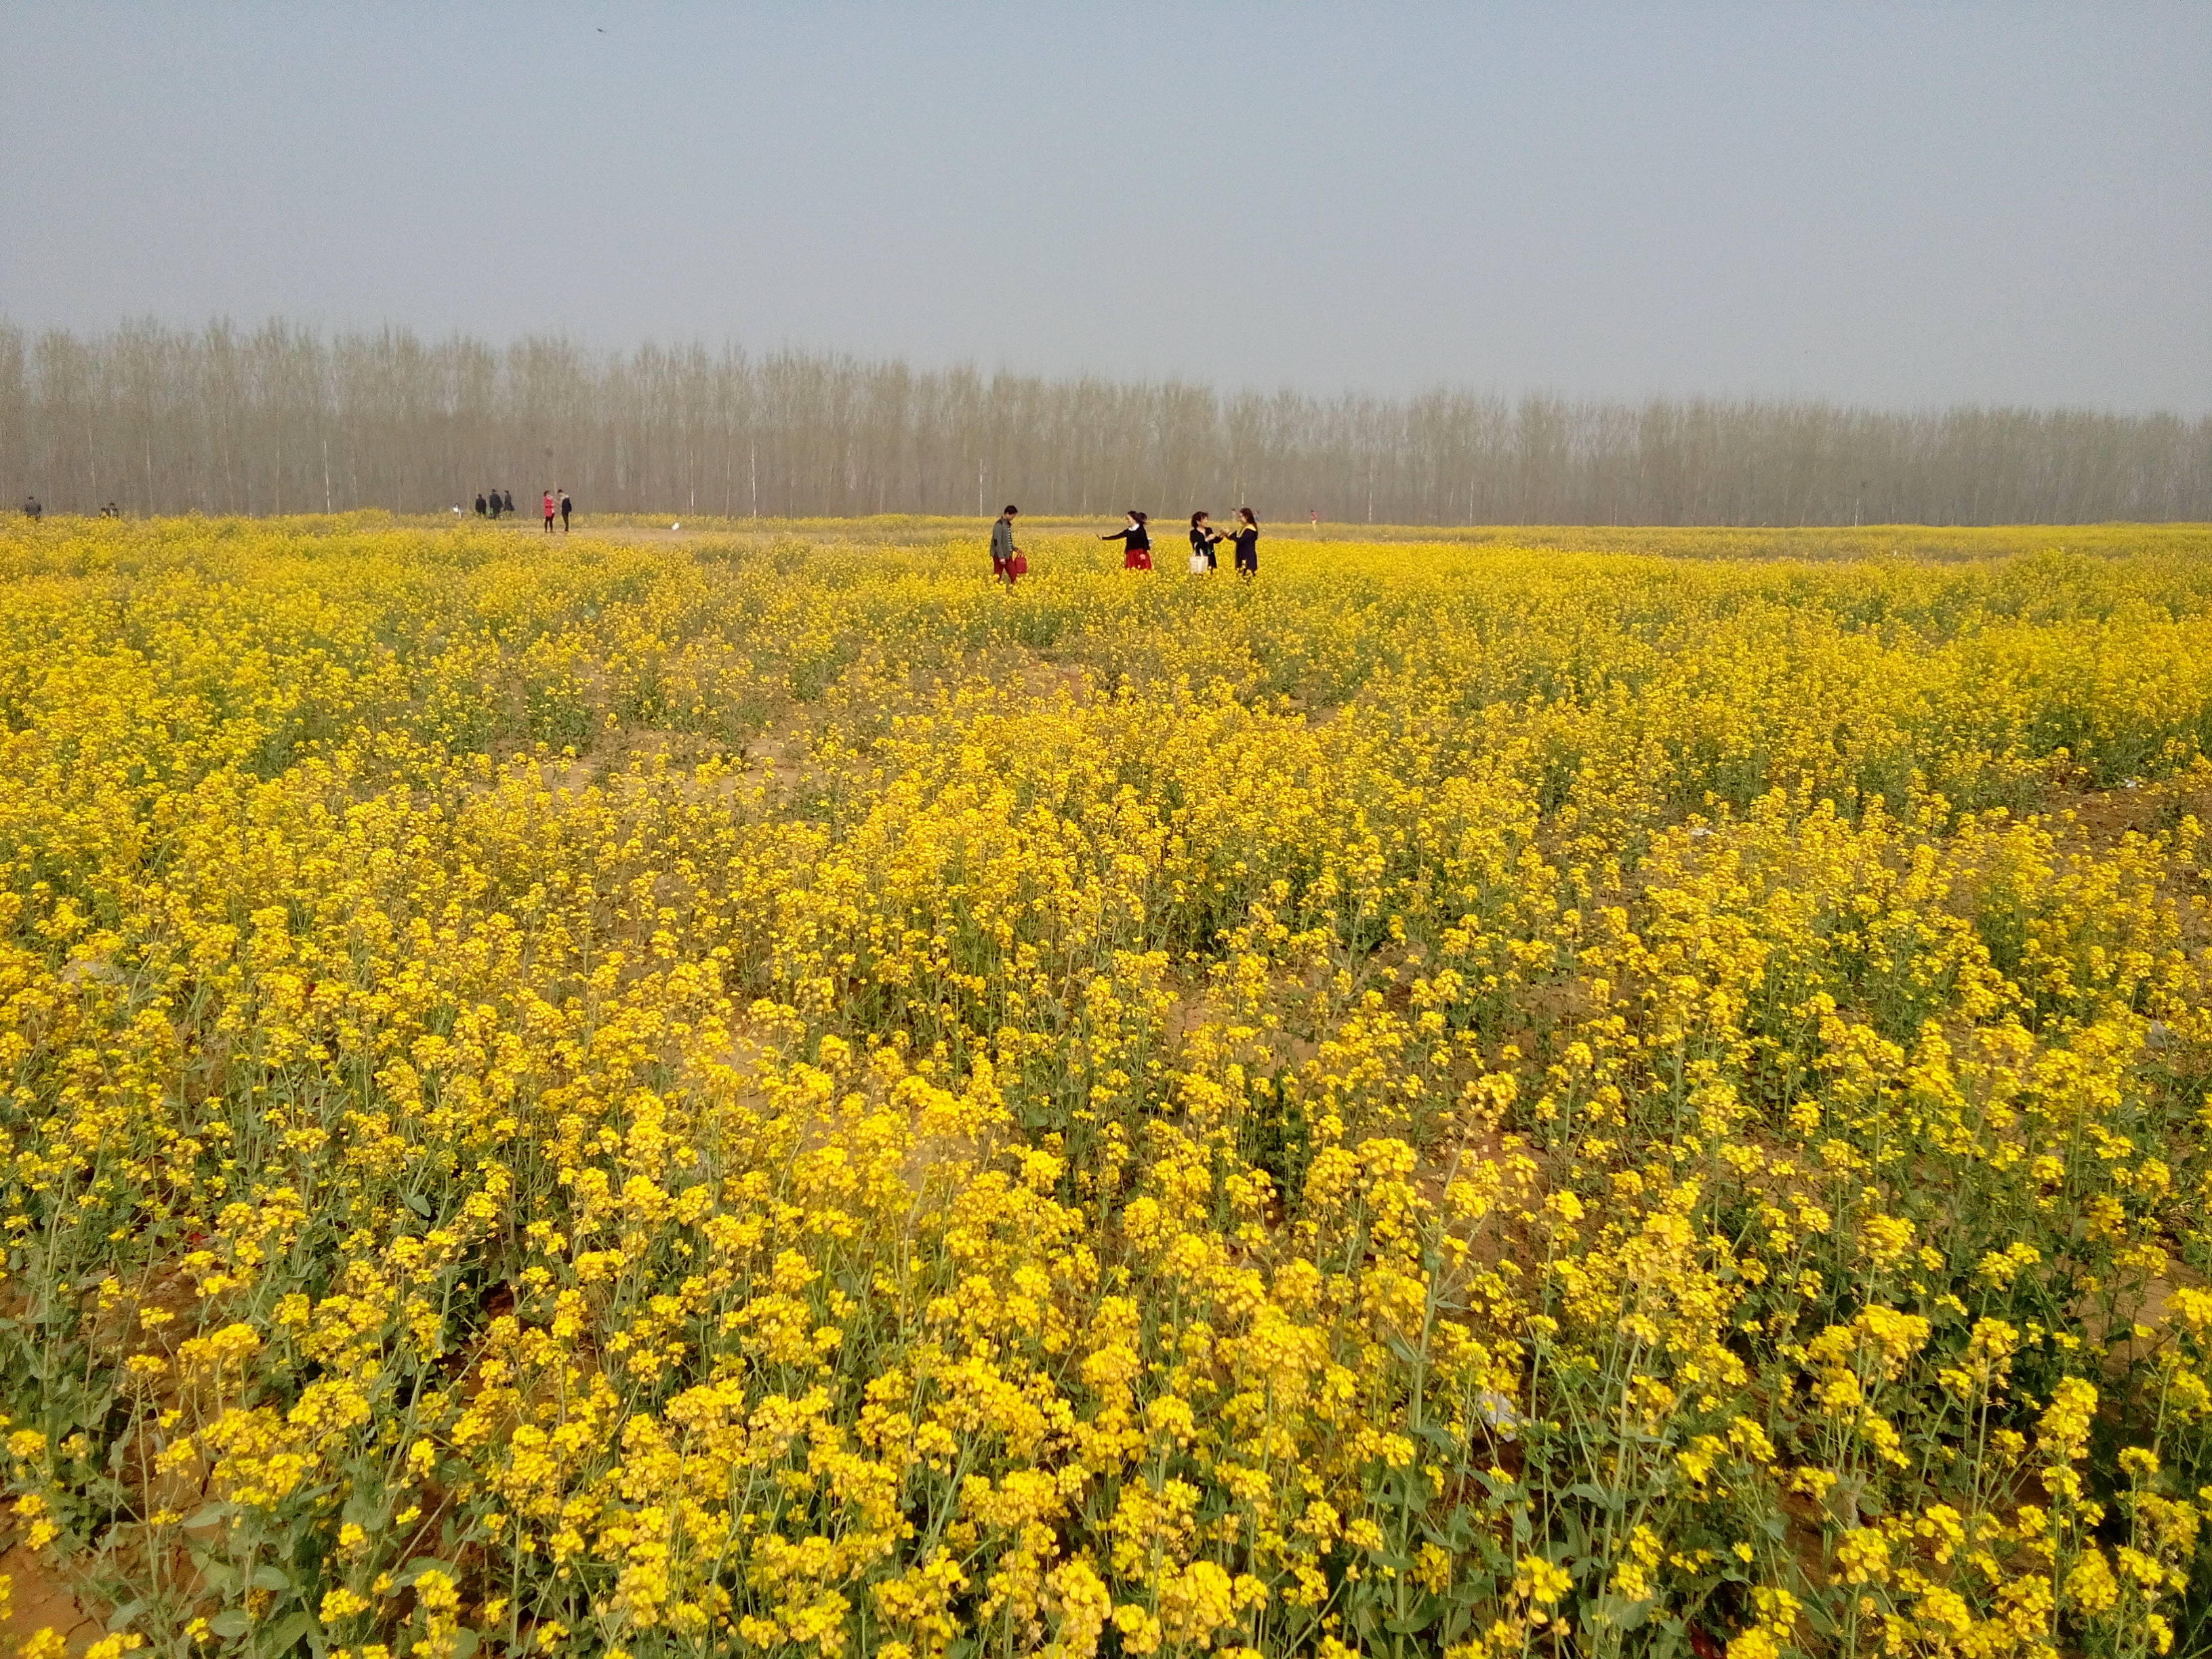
[{"x": 789, "y": 1100}]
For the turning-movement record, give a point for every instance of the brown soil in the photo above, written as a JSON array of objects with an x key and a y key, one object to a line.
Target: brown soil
[{"x": 42, "y": 1600}]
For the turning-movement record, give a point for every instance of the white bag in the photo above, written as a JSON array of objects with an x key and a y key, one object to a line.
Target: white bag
[{"x": 1199, "y": 565}]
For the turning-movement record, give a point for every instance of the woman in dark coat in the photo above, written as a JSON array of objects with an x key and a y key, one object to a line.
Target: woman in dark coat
[
  {"x": 1203, "y": 538},
  {"x": 1246, "y": 537}
]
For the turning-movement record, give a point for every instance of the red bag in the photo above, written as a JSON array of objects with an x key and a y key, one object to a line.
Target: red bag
[{"x": 1018, "y": 565}]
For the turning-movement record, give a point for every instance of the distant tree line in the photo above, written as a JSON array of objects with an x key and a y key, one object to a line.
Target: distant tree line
[{"x": 282, "y": 419}]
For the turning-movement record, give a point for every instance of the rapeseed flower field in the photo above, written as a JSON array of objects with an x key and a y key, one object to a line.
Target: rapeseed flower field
[{"x": 781, "y": 1099}]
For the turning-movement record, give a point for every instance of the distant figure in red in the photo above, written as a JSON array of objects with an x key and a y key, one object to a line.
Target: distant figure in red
[
  {"x": 550, "y": 510},
  {"x": 1315, "y": 516},
  {"x": 1136, "y": 543}
]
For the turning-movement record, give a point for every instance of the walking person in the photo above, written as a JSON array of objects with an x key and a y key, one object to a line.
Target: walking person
[
  {"x": 549, "y": 512},
  {"x": 564, "y": 512},
  {"x": 1203, "y": 539},
  {"x": 510, "y": 503},
  {"x": 483, "y": 512},
  {"x": 1246, "y": 537},
  {"x": 1003, "y": 550},
  {"x": 1136, "y": 542}
]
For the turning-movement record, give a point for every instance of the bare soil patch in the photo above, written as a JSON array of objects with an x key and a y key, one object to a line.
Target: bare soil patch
[{"x": 42, "y": 1600}]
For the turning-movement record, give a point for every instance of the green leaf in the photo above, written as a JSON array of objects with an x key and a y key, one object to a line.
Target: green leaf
[
  {"x": 286, "y": 1635},
  {"x": 231, "y": 1622},
  {"x": 272, "y": 1578},
  {"x": 1619, "y": 1612},
  {"x": 466, "y": 1641},
  {"x": 124, "y": 1614}
]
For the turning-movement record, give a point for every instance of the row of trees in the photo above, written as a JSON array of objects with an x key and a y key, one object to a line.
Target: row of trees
[{"x": 281, "y": 419}]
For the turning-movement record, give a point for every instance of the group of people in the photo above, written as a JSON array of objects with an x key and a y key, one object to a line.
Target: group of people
[
  {"x": 557, "y": 505},
  {"x": 1009, "y": 563},
  {"x": 34, "y": 509}
]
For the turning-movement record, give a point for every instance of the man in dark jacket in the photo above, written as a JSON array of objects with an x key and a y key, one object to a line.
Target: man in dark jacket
[{"x": 1002, "y": 545}]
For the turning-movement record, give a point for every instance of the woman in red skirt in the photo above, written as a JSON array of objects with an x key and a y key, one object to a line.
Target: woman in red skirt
[{"x": 1136, "y": 543}]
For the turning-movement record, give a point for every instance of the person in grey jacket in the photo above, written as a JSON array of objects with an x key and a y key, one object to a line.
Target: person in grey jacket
[{"x": 1002, "y": 546}]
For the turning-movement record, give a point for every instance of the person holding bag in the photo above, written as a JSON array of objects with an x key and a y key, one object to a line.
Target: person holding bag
[
  {"x": 1203, "y": 537},
  {"x": 1003, "y": 550}
]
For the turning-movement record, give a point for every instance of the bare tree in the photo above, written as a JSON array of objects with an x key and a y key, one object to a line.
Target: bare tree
[{"x": 283, "y": 419}]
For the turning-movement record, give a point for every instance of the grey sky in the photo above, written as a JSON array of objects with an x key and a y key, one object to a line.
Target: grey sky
[{"x": 1893, "y": 205}]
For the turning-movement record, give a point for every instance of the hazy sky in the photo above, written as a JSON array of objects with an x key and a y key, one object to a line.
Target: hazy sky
[{"x": 1895, "y": 205}]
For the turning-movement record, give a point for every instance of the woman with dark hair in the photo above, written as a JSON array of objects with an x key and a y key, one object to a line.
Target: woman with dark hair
[
  {"x": 1203, "y": 536},
  {"x": 1247, "y": 539},
  {"x": 1136, "y": 542}
]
